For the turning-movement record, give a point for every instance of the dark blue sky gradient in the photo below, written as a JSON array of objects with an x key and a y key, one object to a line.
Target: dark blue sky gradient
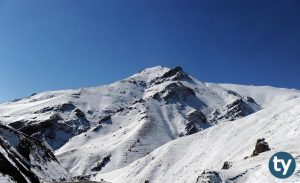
[{"x": 60, "y": 44}]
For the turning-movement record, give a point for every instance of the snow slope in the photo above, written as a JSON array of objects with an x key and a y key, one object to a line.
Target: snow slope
[
  {"x": 265, "y": 96},
  {"x": 185, "y": 159}
]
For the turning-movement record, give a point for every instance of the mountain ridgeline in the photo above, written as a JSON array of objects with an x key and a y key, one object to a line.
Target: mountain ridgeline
[{"x": 90, "y": 133}]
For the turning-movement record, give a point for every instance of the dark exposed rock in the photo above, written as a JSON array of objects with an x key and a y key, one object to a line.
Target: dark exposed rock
[
  {"x": 209, "y": 177},
  {"x": 44, "y": 110},
  {"x": 260, "y": 147},
  {"x": 16, "y": 100},
  {"x": 196, "y": 120},
  {"x": 174, "y": 91},
  {"x": 82, "y": 178},
  {"x": 177, "y": 74},
  {"x": 58, "y": 108},
  {"x": 7, "y": 168},
  {"x": 235, "y": 110},
  {"x": 232, "y": 93},
  {"x": 90, "y": 112},
  {"x": 251, "y": 100},
  {"x": 104, "y": 119},
  {"x": 191, "y": 128},
  {"x": 138, "y": 101},
  {"x": 17, "y": 124},
  {"x": 32, "y": 128},
  {"x": 226, "y": 165},
  {"x": 102, "y": 164},
  {"x": 65, "y": 107},
  {"x": 33, "y": 94},
  {"x": 144, "y": 117},
  {"x": 196, "y": 117},
  {"x": 97, "y": 128},
  {"x": 235, "y": 178},
  {"x": 138, "y": 82},
  {"x": 47, "y": 129},
  {"x": 17, "y": 171},
  {"x": 24, "y": 149},
  {"x": 18, "y": 147},
  {"x": 120, "y": 109},
  {"x": 238, "y": 108},
  {"x": 79, "y": 113},
  {"x": 26, "y": 143},
  {"x": 68, "y": 128},
  {"x": 76, "y": 95},
  {"x": 174, "y": 74}
]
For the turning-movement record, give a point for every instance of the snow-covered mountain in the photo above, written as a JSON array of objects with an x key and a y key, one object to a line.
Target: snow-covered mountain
[
  {"x": 112, "y": 130},
  {"x": 200, "y": 157}
]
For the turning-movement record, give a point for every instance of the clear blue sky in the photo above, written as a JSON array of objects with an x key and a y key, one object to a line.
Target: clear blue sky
[{"x": 60, "y": 44}]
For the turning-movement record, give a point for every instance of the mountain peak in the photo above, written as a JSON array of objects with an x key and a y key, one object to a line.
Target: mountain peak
[
  {"x": 160, "y": 68},
  {"x": 177, "y": 72},
  {"x": 160, "y": 74}
]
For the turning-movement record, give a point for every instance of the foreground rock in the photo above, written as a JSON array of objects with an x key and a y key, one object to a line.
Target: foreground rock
[
  {"x": 260, "y": 147},
  {"x": 25, "y": 159}
]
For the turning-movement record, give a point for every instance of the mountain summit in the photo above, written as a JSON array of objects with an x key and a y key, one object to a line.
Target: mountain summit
[{"x": 120, "y": 128}]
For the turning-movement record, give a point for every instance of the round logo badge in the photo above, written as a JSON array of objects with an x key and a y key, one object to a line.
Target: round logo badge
[{"x": 282, "y": 165}]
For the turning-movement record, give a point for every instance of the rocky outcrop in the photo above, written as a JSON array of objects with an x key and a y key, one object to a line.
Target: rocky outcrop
[
  {"x": 174, "y": 74},
  {"x": 174, "y": 92},
  {"x": 226, "y": 165},
  {"x": 260, "y": 147},
  {"x": 105, "y": 119},
  {"x": 102, "y": 163},
  {"x": 241, "y": 107},
  {"x": 196, "y": 116},
  {"x": 26, "y": 159},
  {"x": 196, "y": 121},
  {"x": 209, "y": 177},
  {"x": 191, "y": 128},
  {"x": 66, "y": 107},
  {"x": 56, "y": 131}
]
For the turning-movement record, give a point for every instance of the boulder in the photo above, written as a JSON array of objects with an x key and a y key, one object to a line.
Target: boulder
[
  {"x": 208, "y": 176},
  {"x": 260, "y": 147},
  {"x": 226, "y": 165}
]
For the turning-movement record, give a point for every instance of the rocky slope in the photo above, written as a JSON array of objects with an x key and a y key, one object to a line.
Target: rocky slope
[
  {"x": 229, "y": 152},
  {"x": 25, "y": 159}
]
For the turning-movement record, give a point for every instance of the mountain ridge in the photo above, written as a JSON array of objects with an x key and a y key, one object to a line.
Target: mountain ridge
[{"x": 97, "y": 130}]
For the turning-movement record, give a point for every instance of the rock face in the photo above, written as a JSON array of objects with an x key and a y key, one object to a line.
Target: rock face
[
  {"x": 196, "y": 117},
  {"x": 174, "y": 92},
  {"x": 176, "y": 73},
  {"x": 55, "y": 130},
  {"x": 196, "y": 121},
  {"x": 209, "y": 177},
  {"x": 101, "y": 164},
  {"x": 241, "y": 107},
  {"x": 226, "y": 165},
  {"x": 25, "y": 159},
  {"x": 260, "y": 147}
]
